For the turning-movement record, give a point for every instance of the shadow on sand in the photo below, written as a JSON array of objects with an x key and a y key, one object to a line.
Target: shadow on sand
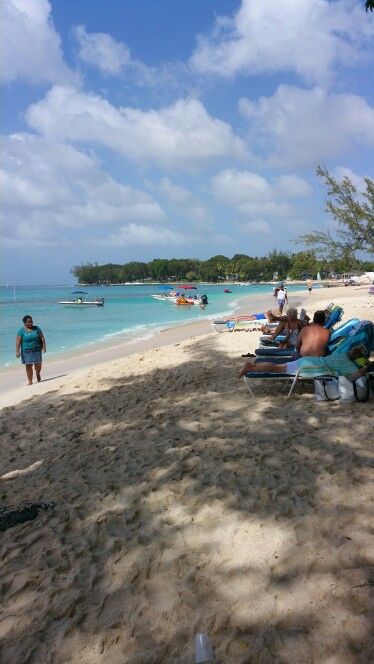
[{"x": 212, "y": 512}]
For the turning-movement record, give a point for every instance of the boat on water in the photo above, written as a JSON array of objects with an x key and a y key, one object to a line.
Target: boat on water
[
  {"x": 166, "y": 293},
  {"x": 81, "y": 301},
  {"x": 179, "y": 297}
]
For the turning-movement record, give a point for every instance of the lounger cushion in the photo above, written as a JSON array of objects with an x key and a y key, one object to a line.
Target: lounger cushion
[
  {"x": 267, "y": 374},
  {"x": 274, "y": 352}
]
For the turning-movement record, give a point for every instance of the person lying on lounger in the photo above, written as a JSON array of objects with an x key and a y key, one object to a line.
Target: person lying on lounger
[
  {"x": 290, "y": 327},
  {"x": 341, "y": 364},
  {"x": 311, "y": 342}
]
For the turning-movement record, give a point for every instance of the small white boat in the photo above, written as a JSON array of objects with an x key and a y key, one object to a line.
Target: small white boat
[
  {"x": 179, "y": 296},
  {"x": 81, "y": 302},
  {"x": 165, "y": 296},
  {"x": 166, "y": 293}
]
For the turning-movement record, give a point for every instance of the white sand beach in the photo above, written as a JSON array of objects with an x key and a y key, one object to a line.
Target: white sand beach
[{"x": 182, "y": 505}]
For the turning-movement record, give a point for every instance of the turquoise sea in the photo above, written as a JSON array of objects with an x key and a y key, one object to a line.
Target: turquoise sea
[{"x": 129, "y": 312}]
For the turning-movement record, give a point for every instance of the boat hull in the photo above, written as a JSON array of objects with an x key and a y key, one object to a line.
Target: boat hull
[
  {"x": 173, "y": 299},
  {"x": 67, "y": 303}
]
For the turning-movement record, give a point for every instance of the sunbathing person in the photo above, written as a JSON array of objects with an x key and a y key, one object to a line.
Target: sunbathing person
[
  {"x": 290, "y": 327},
  {"x": 269, "y": 315},
  {"x": 341, "y": 364},
  {"x": 273, "y": 316},
  {"x": 313, "y": 339},
  {"x": 311, "y": 342}
]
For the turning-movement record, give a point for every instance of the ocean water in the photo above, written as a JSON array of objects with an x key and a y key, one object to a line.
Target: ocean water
[{"x": 129, "y": 312}]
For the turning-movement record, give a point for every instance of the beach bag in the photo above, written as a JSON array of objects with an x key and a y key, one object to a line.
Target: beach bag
[
  {"x": 326, "y": 389},
  {"x": 353, "y": 390}
]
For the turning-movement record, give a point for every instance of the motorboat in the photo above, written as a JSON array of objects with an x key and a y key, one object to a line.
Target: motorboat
[
  {"x": 166, "y": 293},
  {"x": 179, "y": 296},
  {"x": 81, "y": 301},
  {"x": 227, "y": 290}
]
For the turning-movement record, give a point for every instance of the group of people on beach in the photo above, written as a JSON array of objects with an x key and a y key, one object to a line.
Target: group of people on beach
[{"x": 309, "y": 341}]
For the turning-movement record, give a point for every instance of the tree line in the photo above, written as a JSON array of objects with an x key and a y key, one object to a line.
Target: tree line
[{"x": 277, "y": 264}]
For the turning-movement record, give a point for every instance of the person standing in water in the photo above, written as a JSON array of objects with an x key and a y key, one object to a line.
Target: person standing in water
[
  {"x": 30, "y": 343},
  {"x": 309, "y": 285}
]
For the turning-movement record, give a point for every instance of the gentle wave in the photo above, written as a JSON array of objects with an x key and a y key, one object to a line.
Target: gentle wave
[{"x": 130, "y": 314}]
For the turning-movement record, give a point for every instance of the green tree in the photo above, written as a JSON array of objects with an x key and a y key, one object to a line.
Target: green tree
[
  {"x": 191, "y": 275},
  {"x": 304, "y": 263},
  {"x": 354, "y": 212},
  {"x": 159, "y": 269},
  {"x": 87, "y": 274}
]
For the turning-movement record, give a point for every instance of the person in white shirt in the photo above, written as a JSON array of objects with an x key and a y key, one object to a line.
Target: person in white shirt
[{"x": 282, "y": 297}]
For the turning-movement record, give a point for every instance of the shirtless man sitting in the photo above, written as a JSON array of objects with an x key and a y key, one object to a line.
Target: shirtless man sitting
[
  {"x": 311, "y": 342},
  {"x": 313, "y": 339}
]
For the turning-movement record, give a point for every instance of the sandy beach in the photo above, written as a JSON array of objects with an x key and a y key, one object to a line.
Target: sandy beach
[{"x": 179, "y": 504}]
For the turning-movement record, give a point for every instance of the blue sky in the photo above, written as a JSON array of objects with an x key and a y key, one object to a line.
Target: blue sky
[{"x": 136, "y": 130}]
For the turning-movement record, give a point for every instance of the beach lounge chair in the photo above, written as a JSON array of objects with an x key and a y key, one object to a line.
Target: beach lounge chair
[
  {"x": 229, "y": 325},
  {"x": 334, "y": 318},
  {"x": 362, "y": 333},
  {"x": 267, "y": 342},
  {"x": 222, "y": 325},
  {"x": 348, "y": 328},
  {"x": 252, "y": 377}
]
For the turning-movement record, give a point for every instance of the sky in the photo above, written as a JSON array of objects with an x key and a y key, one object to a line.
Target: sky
[{"x": 134, "y": 130}]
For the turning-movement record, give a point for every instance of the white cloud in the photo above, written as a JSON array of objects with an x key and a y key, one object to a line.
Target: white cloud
[
  {"x": 292, "y": 186},
  {"x": 298, "y": 127},
  {"x": 259, "y": 227},
  {"x": 175, "y": 193},
  {"x": 30, "y": 47},
  {"x": 141, "y": 235},
  {"x": 358, "y": 181},
  {"x": 251, "y": 194},
  {"x": 49, "y": 188},
  {"x": 306, "y": 37},
  {"x": 102, "y": 51},
  {"x": 180, "y": 135},
  {"x": 185, "y": 202}
]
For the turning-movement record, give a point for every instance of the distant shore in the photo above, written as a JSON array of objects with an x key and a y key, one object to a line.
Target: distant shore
[{"x": 289, "y": 282}]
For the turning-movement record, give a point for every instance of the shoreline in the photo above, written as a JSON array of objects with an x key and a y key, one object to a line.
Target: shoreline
[
  {"x": 78, "y": 360},
  {"x": 59, "y": 371},
  {"x": 137, "y": 334},
  {"x": 145, "y": 331},
  {"x": 135, "y": 337}
]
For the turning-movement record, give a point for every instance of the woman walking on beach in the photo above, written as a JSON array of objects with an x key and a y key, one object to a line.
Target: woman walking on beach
[
  {"x": 281, "y": 297},
  {"x": 30, "y": 343}
]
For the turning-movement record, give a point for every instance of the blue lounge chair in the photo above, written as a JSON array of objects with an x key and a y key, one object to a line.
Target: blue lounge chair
[
  {"x": 252, "y": 376},
  {"x": 334, "y": 318},
  {"x": 336, "y": 337},
  {"x": 362, "y": 333}
]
